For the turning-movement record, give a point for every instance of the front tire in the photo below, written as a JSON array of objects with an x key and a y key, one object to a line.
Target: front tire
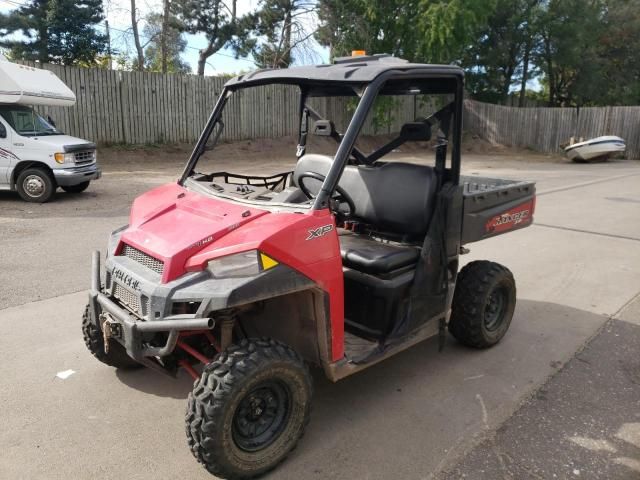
[
  {"x": 483, "y": 304},
  {"x": 117, "y": 356},
  {"x": 249, "y": 408},
  {"x": 35, "y": 185},
  {"x": 79, "y": 188}
]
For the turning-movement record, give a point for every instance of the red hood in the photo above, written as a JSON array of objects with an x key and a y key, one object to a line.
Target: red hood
[{"x": 172, "y": 224}]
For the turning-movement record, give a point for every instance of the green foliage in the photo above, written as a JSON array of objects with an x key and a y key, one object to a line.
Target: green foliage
[
  {"x": 418, "y": 30},
  {"x": 581, "y": 52},
  {"x": 448, "y": 27},
  {"x": 377, "y": 27},
  {"x": 495, "y": 61},
  {"x": 56, "y": 31},
  {"x": 620, "y": 49}
]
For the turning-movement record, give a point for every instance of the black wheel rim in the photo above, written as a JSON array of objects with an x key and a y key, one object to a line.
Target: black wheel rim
[
  {"x": 495, "y": 308},
  {"x": 261, "y": 416}
]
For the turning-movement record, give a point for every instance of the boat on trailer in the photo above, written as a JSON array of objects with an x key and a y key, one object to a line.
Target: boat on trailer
[{"x": 599, "y": 147}]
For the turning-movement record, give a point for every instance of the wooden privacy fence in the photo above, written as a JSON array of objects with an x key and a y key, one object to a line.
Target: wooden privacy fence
[
  {"x": 134, "y": 107},
  {"x": 118, "y": 107},
  {"x": 143, "y": 108},
  {"x": 544, "y": 129}
]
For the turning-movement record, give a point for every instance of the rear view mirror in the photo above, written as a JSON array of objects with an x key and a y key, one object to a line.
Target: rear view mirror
[
  {"x": 3, "y": 131},
  {"x": 323, "y": 128},
  {"x": 416, "y": 132}
]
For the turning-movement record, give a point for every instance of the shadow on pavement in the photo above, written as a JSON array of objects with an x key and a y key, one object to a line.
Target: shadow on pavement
[
  {"x": 584, "y": 423},
  {"x": 408, "y": 416},
  {"x": 148, "y": 381}
]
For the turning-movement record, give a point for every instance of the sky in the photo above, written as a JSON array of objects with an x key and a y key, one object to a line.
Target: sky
[{"x": 118, "y": 13}]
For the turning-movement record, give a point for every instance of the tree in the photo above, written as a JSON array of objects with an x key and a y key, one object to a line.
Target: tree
[
  {"x": 283, "y": 26},
  {"x": 619, "y": 52},
  {"x": 164, "y": 53},
  {"x": 376, "y": 27},
  {"x": 501, "y": 54},
  {"x": 568, "y": 53},
  {"x": 139, "y": 64},
  {"x": 219, "y": 22},
  {"x": 448, "y": 27},
  {"x": 155, "y": 59},
  {"x": 56, "y": 31}
]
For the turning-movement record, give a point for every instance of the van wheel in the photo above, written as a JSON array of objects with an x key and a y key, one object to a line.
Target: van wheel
[
  {"x": 483, "y": 304},
  {"x": 79, "y": 188},
  {"x": 35, "y": 185},
  {"x": 249, "y": 408}
]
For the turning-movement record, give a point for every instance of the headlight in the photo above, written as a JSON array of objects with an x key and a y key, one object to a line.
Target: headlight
[
  {"x": 64, "y": 157},
  {"x": 245, "y": 264}
]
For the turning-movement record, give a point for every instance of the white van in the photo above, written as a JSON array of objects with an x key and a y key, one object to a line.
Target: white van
[{"x": 35, "y": 157}]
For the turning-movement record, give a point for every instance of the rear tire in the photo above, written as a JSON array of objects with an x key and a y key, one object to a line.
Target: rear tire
[
  {"x": 248, "y": 409},
  {"x": 79, "y": 188},
  {"x": 35, "y": 185},
  {"x": 117, "y": 356},
  {"x": 483, "y": 304}
]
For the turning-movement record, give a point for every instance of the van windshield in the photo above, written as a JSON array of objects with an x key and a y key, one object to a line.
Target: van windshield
[{"x": 26, "y": 122}]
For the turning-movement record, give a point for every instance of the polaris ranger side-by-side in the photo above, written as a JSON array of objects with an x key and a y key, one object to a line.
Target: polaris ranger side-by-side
[{"x": 340, "y": 263}]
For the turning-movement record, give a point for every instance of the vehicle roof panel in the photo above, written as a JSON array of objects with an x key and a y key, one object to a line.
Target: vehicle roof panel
[{"x": 345, "y": 70}]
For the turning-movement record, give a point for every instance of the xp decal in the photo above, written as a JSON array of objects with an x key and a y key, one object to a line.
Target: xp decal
[{"x": 319, "y": 232}]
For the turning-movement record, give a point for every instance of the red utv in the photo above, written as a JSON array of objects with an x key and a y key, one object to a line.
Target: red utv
[{"x": 341, "y": 263}]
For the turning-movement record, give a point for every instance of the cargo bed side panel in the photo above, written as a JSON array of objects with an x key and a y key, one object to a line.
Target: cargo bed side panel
[{"x": 495, "y": 206}]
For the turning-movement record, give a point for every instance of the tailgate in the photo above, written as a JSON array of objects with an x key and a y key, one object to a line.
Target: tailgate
[{"x": 493, "y": 206}]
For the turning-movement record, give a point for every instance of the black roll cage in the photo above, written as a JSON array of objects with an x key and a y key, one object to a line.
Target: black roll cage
[{"x": 348, "y": 139}]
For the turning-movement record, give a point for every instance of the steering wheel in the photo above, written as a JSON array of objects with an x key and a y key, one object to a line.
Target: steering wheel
[{"x": 340, "y": 196}]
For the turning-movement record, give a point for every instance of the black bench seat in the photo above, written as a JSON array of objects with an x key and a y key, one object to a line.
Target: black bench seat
[{"x": 367, "y": 255}]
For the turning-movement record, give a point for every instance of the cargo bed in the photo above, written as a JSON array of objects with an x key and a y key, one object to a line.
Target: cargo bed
[{"x": 492, "y": 206}]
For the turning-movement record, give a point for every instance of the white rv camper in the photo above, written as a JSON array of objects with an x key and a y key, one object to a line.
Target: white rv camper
[{"x": 35, "y": 157}]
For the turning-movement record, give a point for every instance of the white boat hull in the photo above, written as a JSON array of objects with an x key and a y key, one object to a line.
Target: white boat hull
[{"x": 595, "y": 147}]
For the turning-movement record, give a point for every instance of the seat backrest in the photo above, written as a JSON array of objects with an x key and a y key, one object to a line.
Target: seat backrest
[{"x": 393, "y": 196}]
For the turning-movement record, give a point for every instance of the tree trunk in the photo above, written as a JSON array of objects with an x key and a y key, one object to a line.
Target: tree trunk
[
  {"x": 202, "y": 60},
  {"x": 508, "y": 75},
  {"x": 203, "y": 55},
  {"x": 214, "y": 44},
  {"x": 550, "y": 73},
  {"x": 43, "y": 53},
  {"x": 286, "y": 58},
  {"x": 163, "y": 38},
  {"x": 136, "y": 36},
  {"x": 109, "y": 61},
  {"x": 525, "y": 72}
]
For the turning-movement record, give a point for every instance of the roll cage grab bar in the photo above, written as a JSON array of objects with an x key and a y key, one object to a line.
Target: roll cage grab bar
[{"x": 347, "y": 140}]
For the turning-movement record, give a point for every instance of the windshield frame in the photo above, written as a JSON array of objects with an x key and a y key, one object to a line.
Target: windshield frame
[{"x": 367, "y": 96}]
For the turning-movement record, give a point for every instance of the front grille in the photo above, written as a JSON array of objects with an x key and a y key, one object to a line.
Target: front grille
[
  {"x": 86, "y": 157},
  {"x": 131, "y": 300},
  {"x": 143, "y": 258}
]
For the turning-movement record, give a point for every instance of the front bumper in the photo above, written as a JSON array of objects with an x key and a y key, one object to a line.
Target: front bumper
[
  {"x": 134, "y": 332},
  {"x": 67, "y": 177}
]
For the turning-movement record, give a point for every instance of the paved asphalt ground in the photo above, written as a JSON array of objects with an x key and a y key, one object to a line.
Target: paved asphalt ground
[{"x": 517, "y": 411}]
